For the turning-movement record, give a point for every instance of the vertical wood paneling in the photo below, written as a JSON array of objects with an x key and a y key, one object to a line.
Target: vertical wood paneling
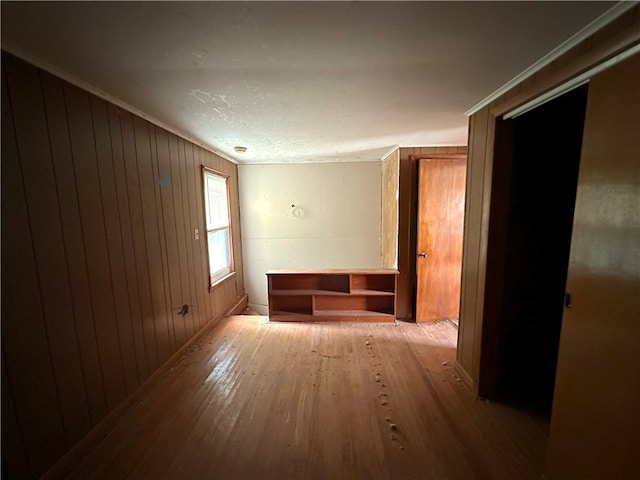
[
  {"x": 406, "y": 257},
  {"x": 195, "y": 312},
  {"x": 49, "y": 251},
  {"x": 126, "y": 236},
  {"x": 139, "y": 240},
  {"x": 152, "y": 237},
  {"x": 199, "y": 263},
  {"x": 170, "y": 254},
  {"x": 162, "y": 259},
  {"x": 471, "y": 243},
  {"x": 104, "y": 153},
  {"x": 98, "y": 213},
  {"x": 389, "y": 222},
  {"x": 483, "y": 244},
  {"x": 24, "y": 336},
  {"x": 75, "y": 256},
  {"x": 83, "y": 149},
  {"x": 198, "y": 310},
  {"x": 467, "y": 288},
  {"x": 13, "y": 451},
  {"x": 181, "y": 239},
  {"x": 403, "y": 297}
]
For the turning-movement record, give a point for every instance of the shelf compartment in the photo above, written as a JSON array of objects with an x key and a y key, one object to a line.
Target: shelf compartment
[
  {"x": 291, "y": 305},
  {"x": 359, "y": 303},
  {"x": 332, "y": 295},
  {"x": 375, "y": 282},
  {"x": 351, "y": 316},
  {"x": 349, "y": 313},
  {"x": 303, "y": 281}
]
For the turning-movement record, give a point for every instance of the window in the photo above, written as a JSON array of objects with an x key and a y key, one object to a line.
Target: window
[{"x": 216, "y": 204}]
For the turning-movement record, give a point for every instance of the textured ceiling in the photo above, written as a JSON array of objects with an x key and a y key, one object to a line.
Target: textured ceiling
[{"x": 297, "y": 81}]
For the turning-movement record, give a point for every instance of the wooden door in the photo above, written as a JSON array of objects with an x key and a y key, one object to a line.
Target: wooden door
[
  {"x": 439, "y": 244},
  {"x": 595, "y": 420}
]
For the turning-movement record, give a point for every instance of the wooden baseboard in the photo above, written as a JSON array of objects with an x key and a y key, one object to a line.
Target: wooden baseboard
[
  {"x": 63, "y": 467},
  {"x": 240, "y": 306},
  {"x": 465, "y": 377}
]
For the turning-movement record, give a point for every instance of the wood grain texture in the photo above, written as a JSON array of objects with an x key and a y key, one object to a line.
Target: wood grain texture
[
  {"x": 76, "y": 264},
  {"x": 38, "y": 174},
  {"x": 441, "y": 189},
  {"x": 471, "y": 240},
  {"x": 257, "y": 400},
  {"x": 170, "y": 241},
  {"x": 143, "y": 287},
  {"x": 389, "y": 221},
  {"x": 127, "y": 242},
  {"x": 122, "y": 316},
  {"x": 408, "y": 220},
  {"x": 147, "y": 181},
  {"x": 98, "y": 249},
  {"x": 91, "y": 208},
  {"x": 24, "y": 331},
  {"x": 332, "y": 295}
]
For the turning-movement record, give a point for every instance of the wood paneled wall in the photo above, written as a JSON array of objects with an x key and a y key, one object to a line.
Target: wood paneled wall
[
  {"x": 482, "y": 177},
  {"x": 389, "y": 223},
  {"x": 99, "y": 209},
  {"x": 407, "y": 222}
]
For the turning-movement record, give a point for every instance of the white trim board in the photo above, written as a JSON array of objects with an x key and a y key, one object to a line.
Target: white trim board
[{"x": 571, "y": 84}]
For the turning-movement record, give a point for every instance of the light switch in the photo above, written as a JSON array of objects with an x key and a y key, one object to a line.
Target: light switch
[{"x": 196, "y": 234}]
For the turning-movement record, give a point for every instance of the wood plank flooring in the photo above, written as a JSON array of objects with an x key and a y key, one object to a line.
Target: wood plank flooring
[{"x": 260, "y": 400}]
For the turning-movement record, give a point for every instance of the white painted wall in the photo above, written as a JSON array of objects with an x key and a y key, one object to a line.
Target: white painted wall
[{"x": 338, "y": 226}]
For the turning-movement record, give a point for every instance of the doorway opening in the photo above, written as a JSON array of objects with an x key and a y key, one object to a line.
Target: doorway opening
[{"x": 536, "y": 162}]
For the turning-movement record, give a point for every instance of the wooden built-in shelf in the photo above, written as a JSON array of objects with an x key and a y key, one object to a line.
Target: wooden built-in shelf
[{"x": 365, "y": 295}]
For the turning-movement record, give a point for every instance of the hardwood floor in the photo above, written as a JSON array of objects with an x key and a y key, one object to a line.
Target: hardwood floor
[{"x": 260, "y": 400}]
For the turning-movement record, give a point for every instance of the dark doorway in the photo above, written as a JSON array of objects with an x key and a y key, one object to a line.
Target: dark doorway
[{"x": 537, "y": 157}]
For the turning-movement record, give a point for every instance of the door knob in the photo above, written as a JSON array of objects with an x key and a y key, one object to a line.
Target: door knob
[{"x": 422, "y": 254}]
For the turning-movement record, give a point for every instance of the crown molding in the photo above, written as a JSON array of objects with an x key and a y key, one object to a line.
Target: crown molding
[
  {"x": 72, "y": 79},
  {"x": 607, "y": 17}
]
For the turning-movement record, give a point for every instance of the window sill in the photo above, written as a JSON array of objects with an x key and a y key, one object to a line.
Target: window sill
[{"x": 218, "y": 282}]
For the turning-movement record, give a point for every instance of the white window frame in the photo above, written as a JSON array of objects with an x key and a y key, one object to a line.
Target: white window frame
[{"x": 216, "y": 224}]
